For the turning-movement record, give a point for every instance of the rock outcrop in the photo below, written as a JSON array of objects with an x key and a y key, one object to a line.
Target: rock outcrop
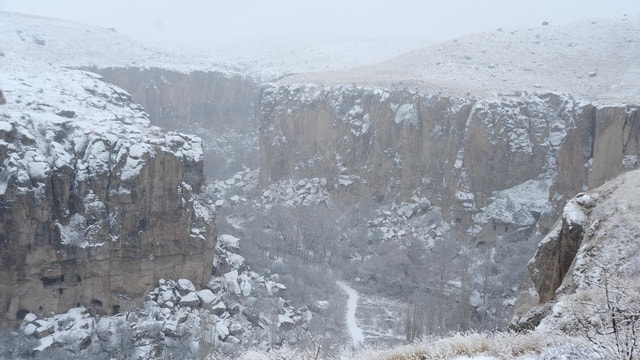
[
  {"x": 555, "y": 253},
  {"x": 592, "y": 249},
  {"x": 96, "y": 207}
]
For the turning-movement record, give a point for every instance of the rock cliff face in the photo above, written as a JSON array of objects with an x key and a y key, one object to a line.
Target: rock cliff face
[
  {"x": 221, "y": 107},
  {"x": 493, "y": 165},
  {"x": 557, "y": 250},
  {"x": 96, "y": 204},
  {"x": 178, "y": 100}
]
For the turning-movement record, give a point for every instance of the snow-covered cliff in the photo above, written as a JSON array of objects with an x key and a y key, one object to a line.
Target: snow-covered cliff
[{"x": 96, "y": 203}]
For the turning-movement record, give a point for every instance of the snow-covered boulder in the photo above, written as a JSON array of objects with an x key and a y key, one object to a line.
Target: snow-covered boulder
[
  {"x": 222, "y": 331},
  {"x": 285, "y": 322},
  {"x": 30, "y": 317},
  {"x": 185, "y": 286},
  {"x": 190, "y": 300},
  {"x": 228, "y": 241},
  {"x": 29, "y": 329},
  {"x": 219, "y": 308},
  {"x": 245, "y": 287},
  {"x": 206, "y": 296}
]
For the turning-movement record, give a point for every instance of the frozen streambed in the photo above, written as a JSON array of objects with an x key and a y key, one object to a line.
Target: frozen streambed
[{"x": 352, "y": 304}]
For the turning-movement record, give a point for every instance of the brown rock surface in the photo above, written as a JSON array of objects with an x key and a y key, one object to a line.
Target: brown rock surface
[{"x": 556, "y": 252}]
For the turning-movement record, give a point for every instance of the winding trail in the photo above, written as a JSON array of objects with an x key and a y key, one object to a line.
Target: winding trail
[{"x": 352, "y": 304}]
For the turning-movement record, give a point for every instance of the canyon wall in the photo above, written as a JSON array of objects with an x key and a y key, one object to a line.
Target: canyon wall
[
  {"x": 96, "y": 205},
  {"x": 493, "y": 165},
  {"x": 221, "y": 107},
  {"x": 180, "y": 100}
]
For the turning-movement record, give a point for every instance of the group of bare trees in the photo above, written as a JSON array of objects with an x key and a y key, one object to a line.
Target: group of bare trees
[
  {"x": 307, "y": 234},
  {"x": 318, "y": 244},
  {"x": 440, "y": 300}
]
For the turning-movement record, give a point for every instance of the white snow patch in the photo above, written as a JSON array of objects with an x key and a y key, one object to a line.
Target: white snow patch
[
  {"x": 352, "y": 303},
  {"x": 229, "y": 241},
  {"x": 406, "y": 114},
  {"x": 5, "y": 126},
  {"x": 137, "y": 151},
  {"x": 516, "y": 204}
]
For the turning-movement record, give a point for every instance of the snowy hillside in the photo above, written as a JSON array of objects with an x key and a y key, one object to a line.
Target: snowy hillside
[
  {"x": 593, "y": 59},
  {"x": 57, "y": 42},
  {"x": 29, "y": 38}
]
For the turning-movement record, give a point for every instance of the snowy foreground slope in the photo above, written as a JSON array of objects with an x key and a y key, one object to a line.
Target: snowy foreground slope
[{"x": 596, "y": 60}]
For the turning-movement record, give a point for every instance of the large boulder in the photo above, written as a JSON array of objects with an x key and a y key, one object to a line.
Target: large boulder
[{"x": 556, "y": 252}]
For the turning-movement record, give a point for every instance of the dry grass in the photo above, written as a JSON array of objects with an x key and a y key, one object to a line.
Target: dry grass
[{"x": 499, "y": 345}]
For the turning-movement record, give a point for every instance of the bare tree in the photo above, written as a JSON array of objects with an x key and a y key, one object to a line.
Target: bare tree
[
  {"x": 610, "y": 317},
  {"x": 414, "y": 317}
]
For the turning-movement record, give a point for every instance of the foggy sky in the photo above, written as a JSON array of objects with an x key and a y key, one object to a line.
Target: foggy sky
[{"x": 195, "y": 22}]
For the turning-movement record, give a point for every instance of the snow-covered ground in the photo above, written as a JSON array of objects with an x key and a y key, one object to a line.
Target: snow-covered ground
[
  {"x": 270, "y": 59},
  {"x": 352, "y": 324},
  {"x": 595, "y": 59}
]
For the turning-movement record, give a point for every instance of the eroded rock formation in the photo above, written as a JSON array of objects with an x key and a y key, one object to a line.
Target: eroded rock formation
[
  {"x": 556, "y": 252},
  {"x": 592, "y": 249}
]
